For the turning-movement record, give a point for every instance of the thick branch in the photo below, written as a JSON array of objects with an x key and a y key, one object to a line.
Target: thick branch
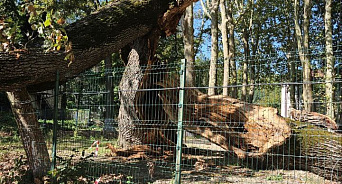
[{"x": 93, "y": 38}]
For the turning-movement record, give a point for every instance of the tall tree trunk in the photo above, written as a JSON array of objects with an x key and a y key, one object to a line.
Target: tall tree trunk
[
  {"x": 290, "y": 55},
  {"x": 214, "y": 46},
  {"x": 329, "y": 76},
  {"x": 303, "y": 52},
  {"x": 231, "y": 42},
  {"x": 254, "y": 34},
  {"x": 307, "y": 78},
  {"x": 30, "y": 132},
  {"x": 224, "y": 31},
  {"x": 292, "y": 70},
  {"x": 245, "y": 39},
  {"x": 292, "y": 67},
  {"x": 188, "y": 39},
  {"x": 255, "y": 44}
]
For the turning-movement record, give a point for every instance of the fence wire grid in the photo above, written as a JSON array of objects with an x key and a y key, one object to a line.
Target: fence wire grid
[{"x": 215, "y": 134}]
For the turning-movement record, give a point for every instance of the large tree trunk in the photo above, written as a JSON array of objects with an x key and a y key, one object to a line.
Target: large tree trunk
[
  {"x": 30, "y": 132},
  {"x": 141, "y": 117},
  {"x": 329, "y": 76},
  {"x": 137, "y": 59},
  {"x": 253, "y": 131},
  {"x": 93, "y": 38},
  {"x": 138, "y": 55}
]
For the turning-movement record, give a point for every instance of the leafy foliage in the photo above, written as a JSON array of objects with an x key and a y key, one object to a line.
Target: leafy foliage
[{"x": 25, "y": 22}]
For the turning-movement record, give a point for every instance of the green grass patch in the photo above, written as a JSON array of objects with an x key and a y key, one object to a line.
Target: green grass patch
[{"x": 277, "y": 177}]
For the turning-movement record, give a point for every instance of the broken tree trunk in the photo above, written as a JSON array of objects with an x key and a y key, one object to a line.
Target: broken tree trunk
[
  {"x": 137, "y": 120},
  {"x": 252, "y": 131},
  {"x": 137, "y": 58},
  {"x": 313, "y": 118},
  {"x": 134, "y": 121},
  {"x": 30, "y": 132},
  {"x": 247, "y": 129}
]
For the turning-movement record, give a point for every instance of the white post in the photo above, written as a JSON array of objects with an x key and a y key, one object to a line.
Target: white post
[{"x": 285, "y": 101}]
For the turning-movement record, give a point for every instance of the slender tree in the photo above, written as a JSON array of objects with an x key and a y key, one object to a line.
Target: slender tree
[
  {"x": 303, "y": 50},
  {"x": 245, "y": 39},
  {"x": 213, "y": 8},
  {"x": 224, "y": 31},
  {"x": 329, "y": 76},
  {"x": 188, "y": 39},
  {"x": 231, "y": 43},
  {"x": 254, "y": 32}
]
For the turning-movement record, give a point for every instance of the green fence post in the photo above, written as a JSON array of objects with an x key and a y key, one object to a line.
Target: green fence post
[
  {"x": 180, "y": 122},
  {"x": 55, "y": 122}
]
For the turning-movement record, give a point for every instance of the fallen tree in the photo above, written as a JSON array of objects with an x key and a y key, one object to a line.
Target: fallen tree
[{"x": 245, "y": 130}]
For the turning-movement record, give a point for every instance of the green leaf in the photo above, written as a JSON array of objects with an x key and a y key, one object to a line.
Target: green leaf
[{"x": 47, "y": 22}]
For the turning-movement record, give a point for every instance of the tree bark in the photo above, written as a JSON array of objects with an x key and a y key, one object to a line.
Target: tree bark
[
  {"x": 231, "y": 41},
  {"x": 254, "y": 32},
  {"x": 214, "y": 46},
  {"x": 329, "y": 76},
  {"x": 141, "y": 118},
  {"x": 129, "y": 132},
  {"x": 255, "y": 44},
  {"x": 304, "y": 52},
  {"x": 307, "y": 78},
  {"x": 224, "y": 31},
  {"x": 137, "y": 55},
  {"x": 245, "y": 38},
  {"x": 188, "y": 40},
  {"x": 30, "y": 132}
]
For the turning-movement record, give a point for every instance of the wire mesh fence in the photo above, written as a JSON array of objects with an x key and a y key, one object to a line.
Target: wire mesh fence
[{"x": 151, "y": 129}]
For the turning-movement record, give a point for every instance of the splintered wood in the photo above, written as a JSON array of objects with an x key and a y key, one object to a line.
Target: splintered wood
[
  {"x": 313, "y": 118},
  {"x": 248, "y": 130}
]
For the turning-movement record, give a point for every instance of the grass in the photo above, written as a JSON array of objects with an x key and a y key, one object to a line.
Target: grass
[{"x": 277, "y": 177}]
